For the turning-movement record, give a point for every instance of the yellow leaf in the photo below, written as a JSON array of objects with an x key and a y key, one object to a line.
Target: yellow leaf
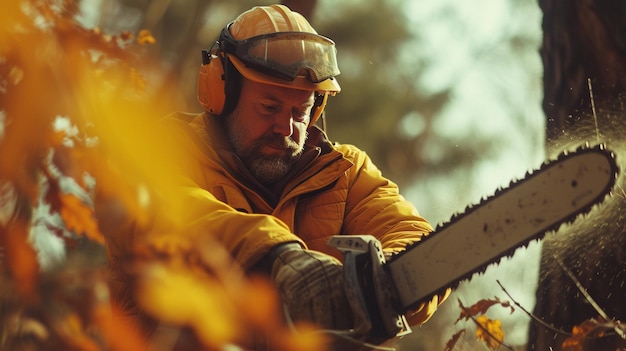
[
  {"x": 145, "y": 37},
  {"x": 490, "y": 332},
  {"x": 181, "y": 296}
]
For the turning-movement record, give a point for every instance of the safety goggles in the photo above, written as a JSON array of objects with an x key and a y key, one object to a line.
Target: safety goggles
[{"x": 286, "y": 55}]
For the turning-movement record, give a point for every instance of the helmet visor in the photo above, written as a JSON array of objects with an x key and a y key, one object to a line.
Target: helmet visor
[{"x": 286, "y": 54}]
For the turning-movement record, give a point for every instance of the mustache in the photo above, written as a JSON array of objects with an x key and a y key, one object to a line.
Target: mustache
[{"x": 278, "y": 142}]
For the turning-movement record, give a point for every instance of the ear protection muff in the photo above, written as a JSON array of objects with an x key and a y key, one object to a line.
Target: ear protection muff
[
  {"x": 218, "y": 83},
  {"x": 211, "y": 81}
]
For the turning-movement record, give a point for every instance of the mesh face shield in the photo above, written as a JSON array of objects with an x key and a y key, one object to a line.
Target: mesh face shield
[{"x": 286, "y": 55}]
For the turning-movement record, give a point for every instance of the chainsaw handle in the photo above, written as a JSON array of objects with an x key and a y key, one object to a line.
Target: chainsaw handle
[{"x": 370, "y": 289}]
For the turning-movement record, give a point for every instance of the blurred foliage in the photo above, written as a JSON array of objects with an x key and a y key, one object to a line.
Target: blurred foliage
[{"x": 80, "y": 154}]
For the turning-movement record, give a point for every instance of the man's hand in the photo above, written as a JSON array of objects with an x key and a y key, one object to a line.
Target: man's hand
[{"x": 312, "y": 288}]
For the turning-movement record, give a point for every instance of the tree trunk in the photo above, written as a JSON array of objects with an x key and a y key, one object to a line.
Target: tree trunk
[
  {"x": 584, "y": 57},
  {"x": 584, "y": 45}
]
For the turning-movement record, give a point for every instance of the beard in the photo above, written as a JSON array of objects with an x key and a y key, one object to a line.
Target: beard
[{"x": 267, "y": 169}]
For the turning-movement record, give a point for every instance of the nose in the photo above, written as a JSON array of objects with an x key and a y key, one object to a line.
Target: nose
[{"x": 283, "y": 125}]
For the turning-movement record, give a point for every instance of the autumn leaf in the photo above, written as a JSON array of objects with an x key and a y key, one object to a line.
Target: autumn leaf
[
  {"x": 106, "y": 91},
  {"x": 69, "y": 326},
  {"x": 260, "y": 303},
  {"x": 490, "y": 332},
  {"x": 125, "y": 37},
  {"x": 145, "y": 37},
  {"x": 10, "y": 14},
  {"x": 117, "y": 329},
  {"x": 185, "y": 297},
  {"x": 454, "y": 340},
  {"x": 79, "y": 217},
  {"x": 593, "y": 330},
  {"x": 308, "y": 338},
  {"x": 481, "y": 307},
  {"x": 579, "y": 333},
  {"x": 20, "y": 258},
  {"x": 49, "y": 70}
]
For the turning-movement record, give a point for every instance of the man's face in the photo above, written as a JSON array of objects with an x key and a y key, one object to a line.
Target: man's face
[{"x": 268, "y": 128}]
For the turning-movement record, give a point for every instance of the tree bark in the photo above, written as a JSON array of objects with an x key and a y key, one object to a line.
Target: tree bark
[
  {"x": 584, "y": 46},
  {"x": 584, "y": 57}
]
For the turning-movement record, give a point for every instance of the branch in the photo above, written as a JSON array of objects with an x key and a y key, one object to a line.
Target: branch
[
  {"x": 532, "y": 316},
  {"x": 582, "y": 290},
  {"x": 468, "y": 313}
]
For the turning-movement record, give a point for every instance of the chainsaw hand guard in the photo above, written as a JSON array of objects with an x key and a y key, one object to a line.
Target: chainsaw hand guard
[{"x": 371, "y": 292}]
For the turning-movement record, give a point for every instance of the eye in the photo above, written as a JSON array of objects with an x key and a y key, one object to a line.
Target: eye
[
  {"x": 268, "y": 108},
  {"x": 300, "y": 115}
]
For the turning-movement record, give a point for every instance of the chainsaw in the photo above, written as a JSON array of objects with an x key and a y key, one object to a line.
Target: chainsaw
[{"x": 381, "y": 291}]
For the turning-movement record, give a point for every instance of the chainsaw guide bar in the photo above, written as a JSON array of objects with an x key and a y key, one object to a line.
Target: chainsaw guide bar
[{"x": 558, "y": 192}]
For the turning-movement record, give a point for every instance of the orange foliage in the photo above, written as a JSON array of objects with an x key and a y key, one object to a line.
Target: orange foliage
[
  {"x": 57, "y": 68},
  {"x": 488, "y": 330},
  {"x": 21, "y": 259},
  {"x": 43, "y": 65},
  {"x": 57, "y": 71},
  {"x": 182, "y": 296},
  {"x": 579, "y": 333},
  {"x": 79, "y": 217},
  {"x": 610, "y": 334},
  {"x": 119, "y": 332}
]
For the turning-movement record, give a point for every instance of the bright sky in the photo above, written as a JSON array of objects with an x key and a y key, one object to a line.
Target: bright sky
[{"x": 496, "y": 90}]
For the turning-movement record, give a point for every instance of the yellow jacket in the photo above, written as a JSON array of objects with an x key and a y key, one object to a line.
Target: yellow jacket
[{"x": 340, "y": 191}]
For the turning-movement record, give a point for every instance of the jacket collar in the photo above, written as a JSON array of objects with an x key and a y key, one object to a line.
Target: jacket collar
[{"x": 319, "y": 154}]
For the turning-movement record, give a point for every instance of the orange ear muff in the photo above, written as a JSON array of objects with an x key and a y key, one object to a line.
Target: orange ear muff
[{"x": 211, "y": 83}]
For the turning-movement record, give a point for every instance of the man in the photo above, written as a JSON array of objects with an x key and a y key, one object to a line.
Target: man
[{"x": 256, "y": 148}]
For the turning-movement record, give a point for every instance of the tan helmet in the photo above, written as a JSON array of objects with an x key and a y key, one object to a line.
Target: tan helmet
[{"x": 271, "y": 45}]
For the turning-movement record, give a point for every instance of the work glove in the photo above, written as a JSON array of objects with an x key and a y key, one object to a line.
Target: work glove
[{"x": 311, "y": 286}]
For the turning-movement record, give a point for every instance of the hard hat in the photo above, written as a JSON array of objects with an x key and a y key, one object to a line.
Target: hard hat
[{"x": 271, "y": 45}]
